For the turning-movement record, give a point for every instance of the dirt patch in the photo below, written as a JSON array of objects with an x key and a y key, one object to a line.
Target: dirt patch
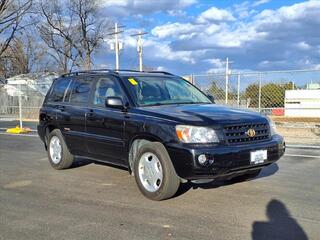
[{"x": 296, "y": 119}]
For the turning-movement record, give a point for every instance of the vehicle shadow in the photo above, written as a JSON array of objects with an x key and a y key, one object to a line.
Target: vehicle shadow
[
  {"x": 280, "y": 225},
  {"x": 81, "y": 162},
  {"x": 266, "y": 172}
]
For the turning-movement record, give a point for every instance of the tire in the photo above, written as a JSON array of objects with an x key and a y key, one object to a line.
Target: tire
[
  {"x": 155, "y": 154},
  {"x": 247, "y": 176},
  {"x": 55, "y": 139}
]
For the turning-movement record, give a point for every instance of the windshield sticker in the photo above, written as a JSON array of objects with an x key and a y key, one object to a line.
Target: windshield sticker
[{"x": 133, "y": 81}]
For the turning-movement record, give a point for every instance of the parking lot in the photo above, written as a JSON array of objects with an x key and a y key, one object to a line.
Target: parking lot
[{"x": 96, "y": 201}]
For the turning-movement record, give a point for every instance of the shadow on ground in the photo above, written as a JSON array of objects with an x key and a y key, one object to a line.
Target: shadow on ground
[
  {"x": 81, "y": 162},
  {"x": 280, "y": 225},
  {"x": 266, "y": 172}
]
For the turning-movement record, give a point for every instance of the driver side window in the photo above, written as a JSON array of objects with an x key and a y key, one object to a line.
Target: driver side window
[
  {"x": 106, "y": 87},
  {"x": 175, "y": 90}
]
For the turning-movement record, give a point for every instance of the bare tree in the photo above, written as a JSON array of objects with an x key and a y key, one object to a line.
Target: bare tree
[
  {"x": 11, "y": 15},
  {"x": 92, "y": 28},
  {"x": 25, "y": 54},
  {"x": 57, "y": 29},
  {"x": 28, "y": 54},
  {"x": 73, "y": 30}
]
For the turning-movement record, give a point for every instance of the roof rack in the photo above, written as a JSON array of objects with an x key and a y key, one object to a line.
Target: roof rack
[{"x": 114, "y": 71}]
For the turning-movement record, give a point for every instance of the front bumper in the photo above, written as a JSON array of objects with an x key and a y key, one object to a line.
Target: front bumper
[{"x": 229, "y": 160}]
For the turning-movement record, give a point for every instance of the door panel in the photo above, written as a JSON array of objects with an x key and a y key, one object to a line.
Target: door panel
[
  {"x": 105, "y": 134},
  {"x": 72, "y": 125},
  {"x": 71, "y": 114},
  {"x": 105, "y": 126}
]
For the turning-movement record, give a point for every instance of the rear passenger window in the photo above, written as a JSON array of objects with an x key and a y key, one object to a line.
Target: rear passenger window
[
  {"x": 58, "y": 90},
  {"x": 80, "y": 90},
  {"x": 106, "y": 87}
]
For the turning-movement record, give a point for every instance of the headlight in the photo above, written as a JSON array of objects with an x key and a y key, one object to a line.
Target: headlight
[
  {"x": 191, "y": 134},
  {"x": 273, "y": 127}
]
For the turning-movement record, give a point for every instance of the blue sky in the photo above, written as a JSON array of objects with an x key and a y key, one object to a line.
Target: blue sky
[{"x": 194, "y": 36}]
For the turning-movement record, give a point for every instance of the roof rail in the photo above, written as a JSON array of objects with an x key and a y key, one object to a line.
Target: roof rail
[
  {"x": 96, "y": 71},
  {"x": 163, "y": 72},
  {"x": 144, "y": 71},
  {"x": 115, "y": 71}
]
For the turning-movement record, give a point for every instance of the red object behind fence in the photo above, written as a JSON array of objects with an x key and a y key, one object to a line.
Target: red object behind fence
[{"x": 278, "y": 112}]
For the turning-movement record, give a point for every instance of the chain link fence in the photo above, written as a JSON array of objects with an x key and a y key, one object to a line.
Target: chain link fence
[
  {"x": 290, "y": 98},
  {"x": 22, "y": 101},
  {"x": 264, "y": 92}
]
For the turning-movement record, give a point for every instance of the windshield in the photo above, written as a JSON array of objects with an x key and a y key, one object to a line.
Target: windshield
[{"x": 151, "y": 90}]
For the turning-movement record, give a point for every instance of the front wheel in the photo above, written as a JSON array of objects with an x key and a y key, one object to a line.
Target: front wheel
[{"x": 154, "y": 172}]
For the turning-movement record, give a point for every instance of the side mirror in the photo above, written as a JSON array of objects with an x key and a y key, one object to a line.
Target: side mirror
[
  {"x": 211, "y": 97},
  {"x": 114, "y": 102}
]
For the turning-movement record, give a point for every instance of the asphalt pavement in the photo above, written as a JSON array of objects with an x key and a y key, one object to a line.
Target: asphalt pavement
[{"x": 96, "y": 201}]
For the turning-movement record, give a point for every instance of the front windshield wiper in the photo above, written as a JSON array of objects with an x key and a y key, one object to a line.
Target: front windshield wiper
[
  {"x": 193, "y": 103},
  {"x": 175, "y": 103}
]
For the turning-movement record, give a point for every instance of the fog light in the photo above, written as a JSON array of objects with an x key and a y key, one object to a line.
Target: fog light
[{"x": 202, "y": 159}]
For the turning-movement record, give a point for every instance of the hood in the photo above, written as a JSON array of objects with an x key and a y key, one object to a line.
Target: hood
[{"x": 203, "y": 114}]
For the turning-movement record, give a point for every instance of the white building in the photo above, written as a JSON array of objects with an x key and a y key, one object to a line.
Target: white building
[
  {"x": 313, "y": 86},
  {"x": 302, "y": 103},
  {"x": 29, "y": 84}
]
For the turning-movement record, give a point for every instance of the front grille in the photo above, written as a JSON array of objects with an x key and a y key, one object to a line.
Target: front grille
[{"x": 236, "y": 134}]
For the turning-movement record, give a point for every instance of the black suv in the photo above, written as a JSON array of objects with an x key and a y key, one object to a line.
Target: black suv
[{"x": 159, "y": 126}]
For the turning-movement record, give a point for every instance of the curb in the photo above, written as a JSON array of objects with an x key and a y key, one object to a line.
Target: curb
[{"x": 5, "y": 129}]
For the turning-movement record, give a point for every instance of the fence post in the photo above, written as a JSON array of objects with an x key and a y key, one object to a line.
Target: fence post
[
  {"x": 20, "y": 106},
  {"x": 227, "y": 87},
  {"x": 238, "y": 97},
  {"x": 260, "y": 83}
]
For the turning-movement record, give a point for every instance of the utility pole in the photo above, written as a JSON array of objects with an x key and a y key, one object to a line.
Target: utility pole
[
  {"x": 139, "y": 48},
  {"x": 117, "y": 46},
  {"x": 227, "y": 62}
]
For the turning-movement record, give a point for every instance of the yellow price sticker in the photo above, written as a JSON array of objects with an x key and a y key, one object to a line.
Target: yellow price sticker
[{"x": 133, "y": 81}]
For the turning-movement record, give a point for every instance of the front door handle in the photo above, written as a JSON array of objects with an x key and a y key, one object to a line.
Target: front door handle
[
  {"x": 62, "y": 108},
  {"x": 91, "y": 115}
]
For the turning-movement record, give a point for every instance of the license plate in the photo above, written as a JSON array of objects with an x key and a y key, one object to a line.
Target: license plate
[{"x": 258, "y": 157}]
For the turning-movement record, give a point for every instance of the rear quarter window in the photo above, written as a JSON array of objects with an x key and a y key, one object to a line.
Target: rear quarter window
[
  {"x": 79, "y": 91},
  {"x": 58, "y": 90}
]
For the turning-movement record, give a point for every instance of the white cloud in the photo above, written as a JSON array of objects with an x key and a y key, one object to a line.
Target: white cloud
[
  {"x": 282, "y": 38},
  {"x": 216, "y": 62},
  {"x": 260, "y": 2},
  {"x": 135, "y": 7},
  {"x": 112, "y": 3},
  {"x": 156, "y": 49},
  {"x": 214, "y": 14},
  {"x": 303, "y": 46},
  {"x": 173, "y": 29}
]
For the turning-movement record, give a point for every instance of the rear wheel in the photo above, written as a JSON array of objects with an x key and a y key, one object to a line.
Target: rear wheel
[
  {"x": 58, "y": 152},
  {"x": 154, "y": 172}
]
